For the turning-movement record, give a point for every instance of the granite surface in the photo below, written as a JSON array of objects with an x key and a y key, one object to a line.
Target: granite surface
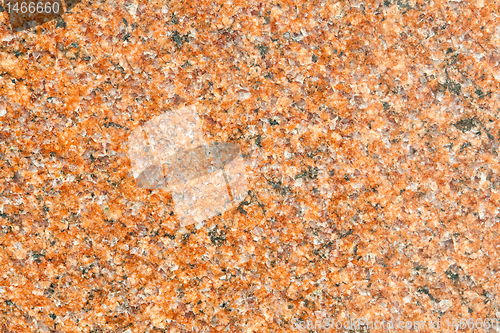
[{"x": 373, "y": 132}]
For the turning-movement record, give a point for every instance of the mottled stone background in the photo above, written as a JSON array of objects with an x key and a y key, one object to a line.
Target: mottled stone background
[{"x": 374, "y": 126}]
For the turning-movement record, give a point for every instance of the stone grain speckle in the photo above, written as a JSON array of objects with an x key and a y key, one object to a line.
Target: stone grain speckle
[{"x": 373, "y": 130}]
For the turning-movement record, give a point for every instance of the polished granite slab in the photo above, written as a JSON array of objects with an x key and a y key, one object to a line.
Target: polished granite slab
[{"x": 370, "y": 132}]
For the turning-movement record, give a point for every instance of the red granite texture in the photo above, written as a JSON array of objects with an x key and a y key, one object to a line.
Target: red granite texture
[{"x": 373, "y": 128}]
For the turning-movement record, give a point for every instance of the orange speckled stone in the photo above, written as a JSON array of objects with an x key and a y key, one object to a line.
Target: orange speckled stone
[{"x": 373, "y": 132}]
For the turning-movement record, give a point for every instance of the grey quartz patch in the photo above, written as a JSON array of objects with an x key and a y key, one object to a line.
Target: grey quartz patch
[{"x": 466, "y": 124}]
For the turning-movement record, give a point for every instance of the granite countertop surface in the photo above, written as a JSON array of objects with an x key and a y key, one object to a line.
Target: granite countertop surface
[{"x": 370, "y": 131}]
